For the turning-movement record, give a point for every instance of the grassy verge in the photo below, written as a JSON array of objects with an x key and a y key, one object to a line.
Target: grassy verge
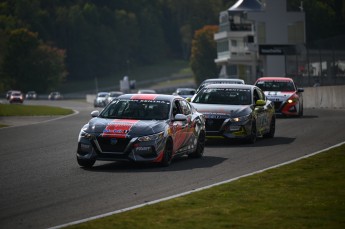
[
  {"x": 166, "y": 68},
  {"x": 309, "y": 193},
  {"x": 31, "y": 110}
]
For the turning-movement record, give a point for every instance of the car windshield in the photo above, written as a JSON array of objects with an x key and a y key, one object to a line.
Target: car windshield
[
  {"x": 276, "y": 85},
  {"x": 226, "y": 96},
  {"x": 219, "y": 82},
  {"x": 186, "y": 92},
  {"x": 115, "y": 94},
  {"x": 102, "y": 95},
  {"x": 137, "y": 109}
]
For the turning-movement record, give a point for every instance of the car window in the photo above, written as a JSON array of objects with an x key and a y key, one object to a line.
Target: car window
[
  {"x": 276, "y": 85},
  {"x": 227, "y": 96},
  {"x": 137, "y": 109},
  {"x": 260, "y": 94},
  {"x": 186, "y": 92},
  {"x": 186, "y": 109},
  {"x": 177, "y": 108}
]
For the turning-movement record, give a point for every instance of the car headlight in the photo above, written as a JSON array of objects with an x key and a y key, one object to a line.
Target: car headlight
[
  {"x": 240, "y": 119},
  {"x": 84, "y": 134},
  {"x": 293, "y": 99},
  {"x": 151, "y": 137}
]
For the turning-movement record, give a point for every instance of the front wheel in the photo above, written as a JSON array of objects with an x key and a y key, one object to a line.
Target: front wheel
[
  {"x": 300, "y": 114},
  {"x": 253, "y": 134},
  {"x": 200, "y": 146},
  {"x": 167, "y": 154},
  {"x": 272, "y": 129},
  {"x": 86, "y": 163}
]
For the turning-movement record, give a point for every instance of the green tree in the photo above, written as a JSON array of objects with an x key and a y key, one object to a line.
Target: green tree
[
  {"x": 28, "y": 64},
  {"x": 193, "y": 15},
  {"x": 324, "y": 19},
  {"x": 204, "y": 52}
]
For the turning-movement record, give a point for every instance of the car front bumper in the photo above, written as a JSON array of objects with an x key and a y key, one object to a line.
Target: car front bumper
[
  {"x": 224, "y": 128},
  {"x": 119, "y": 149}
]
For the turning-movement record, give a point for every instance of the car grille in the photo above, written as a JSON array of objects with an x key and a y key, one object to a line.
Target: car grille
[
  {"x": 214, "y": 124},
  {"x": 277, "y": 105},
  {"x": 107, "y": 146}
]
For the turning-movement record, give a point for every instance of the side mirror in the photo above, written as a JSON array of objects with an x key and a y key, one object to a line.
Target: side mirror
[
  {"x": 180, "y": 117},
  {"x": 189, "y": 99},
  {"x": 94, "y": 113},
  {"x": 260, "y": 102},
  {"x": 300, "y": 89}
]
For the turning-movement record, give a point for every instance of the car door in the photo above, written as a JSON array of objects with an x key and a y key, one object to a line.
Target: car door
[
  {"x": 186, "y": 126},
  {"x": 262, "y": 112},
  {"x": 178, "y": 131},
  {"x": 189, "y": 125}
]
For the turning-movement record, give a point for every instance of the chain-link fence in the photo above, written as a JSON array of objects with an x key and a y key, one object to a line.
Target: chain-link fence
[{"x": 321, "y": 63}]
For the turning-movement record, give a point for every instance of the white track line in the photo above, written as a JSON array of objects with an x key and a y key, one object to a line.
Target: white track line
[{"x": 189, "y": 192}]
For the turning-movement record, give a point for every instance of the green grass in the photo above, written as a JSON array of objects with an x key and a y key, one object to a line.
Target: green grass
[
  {"x": 31, "y": 110},
  {"x": 309, "y": 193},
  {"x": 166, "y": 68}
]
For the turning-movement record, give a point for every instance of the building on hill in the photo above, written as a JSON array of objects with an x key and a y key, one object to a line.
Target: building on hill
[{"x": 259, "y": 38}]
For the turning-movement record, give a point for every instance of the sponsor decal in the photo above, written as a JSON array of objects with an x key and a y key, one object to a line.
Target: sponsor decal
[
  {"x": 118, "y": 128},
  {"x": 84, "y": 146},
  {"x": 143, "y": 148},
  {"x": 234, "y": 128},
  {"x": 214, "y": 113},
  {"x": 277, "y": 49},
  {"x": 214, "y": 116},
  {"x": 144, "y": 97}
]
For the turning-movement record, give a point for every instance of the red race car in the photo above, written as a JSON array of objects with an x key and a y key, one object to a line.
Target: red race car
[{"x": 287, "y": 98}]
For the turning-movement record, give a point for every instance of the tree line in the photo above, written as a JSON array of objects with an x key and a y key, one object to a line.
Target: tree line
[{"x": 43, "y": 43}]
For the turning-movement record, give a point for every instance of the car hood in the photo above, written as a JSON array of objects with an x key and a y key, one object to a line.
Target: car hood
[
  {"x": 278, "y": 95},
  {"x": 222, "y": 111},
  {"x": 124, "y": 128}
]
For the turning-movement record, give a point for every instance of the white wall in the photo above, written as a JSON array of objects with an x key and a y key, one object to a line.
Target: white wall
[{"x": 332, "y": 97}]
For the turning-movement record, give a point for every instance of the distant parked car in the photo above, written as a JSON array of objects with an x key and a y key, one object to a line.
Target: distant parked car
[
  {"x": 146, "y": 91},
  {"x": 112, "y": 95},
  {"x": 219, "y": 81},
  {"x": 100, "y": 100},
  {"x": 16, "y": 97},
  {"x": 185, "y": 92},
  {"x": 287, "y": 98},
  {"x": 31, "y": 95},
  {"x": 55, "y": 96}
]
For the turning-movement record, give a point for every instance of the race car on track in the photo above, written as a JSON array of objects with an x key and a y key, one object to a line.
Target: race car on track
[
  {"x": 236, "y": 111},
  {"x": 282, "y": 91},
  {"x": 142, "y": 128},
  {"x": 219, "y": 81}
]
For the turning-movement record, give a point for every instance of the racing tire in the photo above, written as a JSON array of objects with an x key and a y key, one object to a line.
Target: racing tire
[
  {"x": 300, "y": 114},
  {"x": 86, "y": 163},
  {"x": 253, "y": 134},
  {"x": 167, "y": 154},
  {"x": 272, "y": 129},
  {"x": 200, "y": 146}
]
